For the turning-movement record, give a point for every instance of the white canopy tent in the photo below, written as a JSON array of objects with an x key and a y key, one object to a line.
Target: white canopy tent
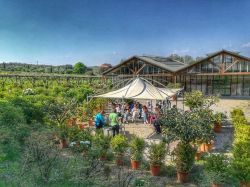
[{"x": 140, "y": 88}]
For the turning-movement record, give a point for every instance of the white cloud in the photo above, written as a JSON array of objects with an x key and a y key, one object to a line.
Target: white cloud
[{"x": 246, "y": 45}]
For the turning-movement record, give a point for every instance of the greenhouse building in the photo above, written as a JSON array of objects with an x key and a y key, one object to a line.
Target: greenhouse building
[{"x": 224, "y": 72}]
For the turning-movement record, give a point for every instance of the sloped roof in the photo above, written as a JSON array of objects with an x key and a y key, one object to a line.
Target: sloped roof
[
  {"x": 161, "y": 62},
  {"x": 210, "y": 55}
]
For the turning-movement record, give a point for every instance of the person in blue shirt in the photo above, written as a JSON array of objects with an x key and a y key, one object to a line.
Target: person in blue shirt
[{"x": 99, "y": 120}]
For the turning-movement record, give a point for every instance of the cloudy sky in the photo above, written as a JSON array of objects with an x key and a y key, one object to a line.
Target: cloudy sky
[{"x": 106, "y": 31}]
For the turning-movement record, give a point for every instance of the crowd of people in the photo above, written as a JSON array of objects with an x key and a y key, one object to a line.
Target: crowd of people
[{"x": 133, "y": 111}]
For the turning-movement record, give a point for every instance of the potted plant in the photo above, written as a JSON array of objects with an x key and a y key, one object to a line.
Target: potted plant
[
  {"x": 216, "y": 168},
  {"x": 218, "y": 118},
  {"x": 119, "y": 144},
  {"x": 207, "y": 147},
  {"x": 63, "y": 134},
  {"x": 184, "y": 160},
  {"x": 102, "y": 143},
  {"x": 137, "y": 146},
  {"x": 186, "y": 127},
  {"x": 157, "y": 153}
]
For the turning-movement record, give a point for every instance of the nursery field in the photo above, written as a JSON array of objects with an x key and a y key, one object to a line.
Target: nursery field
[{"x": 45, "y": 140}]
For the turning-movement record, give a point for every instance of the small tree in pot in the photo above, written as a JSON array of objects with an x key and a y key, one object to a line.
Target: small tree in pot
[
  {"x": 184, "y": 160},
  {"x": 119, "y": 144},
  {"x": 137, "y": 146},
  {"x": 102, "y": 143},
  {"x": 157, "y": 154},
  {"x": 187, "y": 128},
  {"x": 218, "y": 118}
]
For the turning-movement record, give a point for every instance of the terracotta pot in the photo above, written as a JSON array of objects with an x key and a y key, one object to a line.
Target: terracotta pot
[
  {"x": 135, "y": 164},
  {"x": 155, "y": 169},
  {"x": 91, "y": 122},
  {"x": 103, "y": 158},
  {"x": 216, "y": 185},
  {"x": 198, "y": 155},
  {"x": 217, "y": 127},
  {"x": 206, "y": 147},
  {"x": 182, "y": 177},
  {"x": 63, "y": 143},
  {"x": 119, "y": 160},
  {"x": 244, "y": 184}
]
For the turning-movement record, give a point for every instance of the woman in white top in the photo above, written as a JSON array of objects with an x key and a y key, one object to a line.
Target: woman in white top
[{"x": 135, "y": 112}]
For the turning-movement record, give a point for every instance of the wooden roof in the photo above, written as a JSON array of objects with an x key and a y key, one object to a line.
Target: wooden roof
[{"x": 161, "y": 62}]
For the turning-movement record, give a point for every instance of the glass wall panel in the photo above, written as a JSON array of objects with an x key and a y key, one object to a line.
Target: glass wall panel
[
  {"x": 234, "y": 85},
  {"x": 199, "y": 83},
  {"x": 193, "y": 82},
  {"x": 246, "y": 89},
  {"x": 188, "y": 86},
  {"x": 209, "y": 85},
  {"x": 240, "y": 85}
]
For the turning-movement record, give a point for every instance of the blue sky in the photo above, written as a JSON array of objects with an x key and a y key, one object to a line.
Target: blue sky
[{"x": 106, "y": 31}]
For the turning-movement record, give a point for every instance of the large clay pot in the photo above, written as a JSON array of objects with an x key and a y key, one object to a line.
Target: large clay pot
[
  {"x": 119, "y": 160},
  {"x": 217, "y": 127},
  {"x": 244, "y": 184},
  {"x": 206, "y": 147},
  {"x": 198, "y": 155},
  {"x": 182, "y": 177},
  {"x": 155, "y": 169},
  {"x": 63, "y": 143},
  {"x": 216, "y": 185},
  {"x": 135, "y": 164}
]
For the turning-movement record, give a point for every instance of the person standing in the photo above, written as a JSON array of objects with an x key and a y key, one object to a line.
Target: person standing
[
  {"x": 135, "y": 113},
  {"x": 156, "y": 121},
  {"x": 145, "y": 114},
  {"x": 114, "y": 122},
  {"x": 100, "y": 120},
  {"x": 126, "y": 112}
]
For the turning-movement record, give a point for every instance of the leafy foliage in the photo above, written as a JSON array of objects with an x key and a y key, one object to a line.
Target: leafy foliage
[
  {"x": 137, "y": 146},
  {"x": 184, "y": 160},
  {"x": 157, "y": 153},
  {"x": 119, "y": 144},
  {"x": 79, "y": 68},
  {"x": 217, "y": 167},
  {"x": 241, "y": 146},
  {"x": 187, "y": 127},
  {"x": 196, "y": 99}
]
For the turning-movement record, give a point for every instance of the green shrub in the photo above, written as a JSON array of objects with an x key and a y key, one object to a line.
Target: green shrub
[
  {"x": 137, "y": 146},
  {"x": 119, "y": 144},
  {"x": 216, "y": 167},
  {"x": 102, "y": 143},
  {"x": 241, "y": 146},
  {"x": 184, "y": 157},
  {"x": 31, "y": 111},
  {"x": 10, "y": 116},
  {"x": 157, "y": 153}
]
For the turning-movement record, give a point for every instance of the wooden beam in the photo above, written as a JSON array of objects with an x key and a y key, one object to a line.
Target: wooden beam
[
  {"x": 140, "y": 69},
  {"x": 235, "y": 62}
]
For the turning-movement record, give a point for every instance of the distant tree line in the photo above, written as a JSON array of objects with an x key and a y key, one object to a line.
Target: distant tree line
[{"x": 78, "y": 68}]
